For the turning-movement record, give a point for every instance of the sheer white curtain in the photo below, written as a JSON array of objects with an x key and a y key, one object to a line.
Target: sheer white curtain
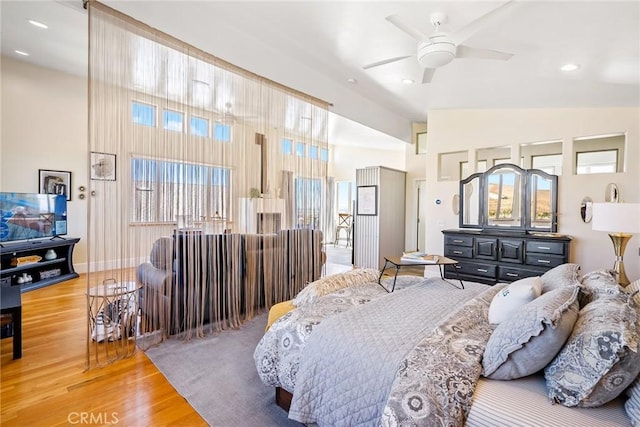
[{"x": 190, "y": 140}]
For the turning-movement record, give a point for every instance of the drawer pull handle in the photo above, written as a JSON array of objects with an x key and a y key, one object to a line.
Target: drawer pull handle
[
  {"x": 457, "y": 267},
  {"x": 513, "y": 275},
  {"x": 457, "y": 252},
  {"x": 482, "y": 270},
  {"x": 544, "y": 261},
  {"x": 458, "y": 241},
  {"x": 545, "y": 248}
]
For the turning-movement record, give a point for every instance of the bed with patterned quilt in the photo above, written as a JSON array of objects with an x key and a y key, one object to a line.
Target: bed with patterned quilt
[{"x": 556, "y": 350}]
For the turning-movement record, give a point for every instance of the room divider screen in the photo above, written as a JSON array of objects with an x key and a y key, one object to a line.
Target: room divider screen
[{"x": 181, "y": 141}]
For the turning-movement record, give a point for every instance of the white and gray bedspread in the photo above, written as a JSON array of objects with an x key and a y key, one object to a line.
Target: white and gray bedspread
[{"x": 406, "y": 358}]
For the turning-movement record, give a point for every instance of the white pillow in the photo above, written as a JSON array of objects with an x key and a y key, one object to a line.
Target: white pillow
[{"x": 507, "y": 301}]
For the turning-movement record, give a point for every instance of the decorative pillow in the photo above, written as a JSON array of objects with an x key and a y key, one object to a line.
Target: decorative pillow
[
  {"x": 560, "y": 276},
  {"x": 601, "y": 357},
  {"x": 529, "y": 341},
  {"x": 632, "y": 405},
  {"x": 334, "y": 282},
  {"x": 598, "y": 282},
  {"x": 508, "y": 300}
]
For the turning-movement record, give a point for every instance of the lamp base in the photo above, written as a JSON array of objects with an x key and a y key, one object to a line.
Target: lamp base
[{"x": 620, "y": 241}]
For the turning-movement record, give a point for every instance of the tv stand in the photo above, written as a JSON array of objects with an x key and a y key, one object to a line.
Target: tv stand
[{"x": 44, "y": 272}]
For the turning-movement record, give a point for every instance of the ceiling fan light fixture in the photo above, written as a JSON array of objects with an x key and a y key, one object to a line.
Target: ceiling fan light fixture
[{"x": 435, "y": 55}]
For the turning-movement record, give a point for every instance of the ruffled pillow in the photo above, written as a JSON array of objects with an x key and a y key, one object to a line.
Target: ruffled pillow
[
  {"x": 529, "y": 341},
  {"x": 334, "y": 282},
  {"x": 560, "y": 276}
]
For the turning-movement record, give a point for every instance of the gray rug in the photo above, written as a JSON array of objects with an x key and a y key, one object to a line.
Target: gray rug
[{"x": 217, "y": 376}]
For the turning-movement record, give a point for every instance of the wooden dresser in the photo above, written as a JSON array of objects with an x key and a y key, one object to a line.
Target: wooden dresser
[{"x": 492, "y": 256}]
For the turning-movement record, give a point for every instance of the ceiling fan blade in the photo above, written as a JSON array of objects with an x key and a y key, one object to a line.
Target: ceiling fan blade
[
  {"x": 428, "y": 75},
  {"x": 486, "y": 20},
  {"x": 398, "y": 22},
  {"x": 386, "y": 61},
  {"x": 471, "y": 52}
]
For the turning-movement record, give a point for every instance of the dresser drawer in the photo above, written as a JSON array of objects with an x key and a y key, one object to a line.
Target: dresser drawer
[
  {"x": 476, "y": 269},
  {"x": 544, "y": 260},
  {"x": 509, "y": 274},
  {"x": 456, "y": 252},
  {"x": 459, "y": 240},
  {"x": 556, "y": 248}
]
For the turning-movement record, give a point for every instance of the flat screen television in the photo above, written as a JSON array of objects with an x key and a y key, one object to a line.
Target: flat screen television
[{"x": 26, "y": 216}]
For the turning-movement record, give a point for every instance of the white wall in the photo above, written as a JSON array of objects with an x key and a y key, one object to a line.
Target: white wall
[
  {"x": 455, "y": 130},
  {"x": 346, "y": 159},
  {"x": 44, "y": 126}
]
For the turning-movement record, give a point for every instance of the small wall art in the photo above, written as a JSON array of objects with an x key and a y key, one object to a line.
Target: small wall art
[
  {"x": 54, "y": 182},
  {"x": 367, "y": 200},
  {"x": 103, "y": 166}
]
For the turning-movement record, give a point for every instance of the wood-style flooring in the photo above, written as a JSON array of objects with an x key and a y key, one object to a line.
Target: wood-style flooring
[{"x": 49, "y": 385}]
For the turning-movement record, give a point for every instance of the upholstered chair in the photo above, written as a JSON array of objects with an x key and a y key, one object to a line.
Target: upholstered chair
[{"x": 156, "y": 277}]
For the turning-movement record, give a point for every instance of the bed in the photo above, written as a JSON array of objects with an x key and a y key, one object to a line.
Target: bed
[{"x": 358, "y": 355}]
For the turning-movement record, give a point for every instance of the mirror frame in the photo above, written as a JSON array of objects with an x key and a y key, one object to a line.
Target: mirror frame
[{"x": 525, "y": 200}]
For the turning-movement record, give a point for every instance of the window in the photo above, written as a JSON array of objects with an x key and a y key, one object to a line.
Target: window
[
  {"x": 324, "y": 154},
  {"x": 143, "y": 114},
  {"x": 599, "y": 154},
  {"x": 163, "y": 189},
  {"x": 550, "y": 163},
  {"x": 199, "y": 126},
  {"x": 222, "y": 132},
  {"x": 313, "y": 151},
  {"x": 300, "y": 149},
  {"x": 345, "y": 196},
  {"x": 605, "y": 161},
  {"x": 287, "y": 146},
  {"x": 308, "y": 200},
  {"x": 172, "y": 120}
]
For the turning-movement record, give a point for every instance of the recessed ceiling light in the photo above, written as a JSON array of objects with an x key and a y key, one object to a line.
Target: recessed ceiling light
[
  {"x": 408, "y": 81},
  {"x": 570, "y": 67},
  {"x": 19, "y": 52},
  {"x": 38, "y": 24},
  {"x": 352, "y": 80}
]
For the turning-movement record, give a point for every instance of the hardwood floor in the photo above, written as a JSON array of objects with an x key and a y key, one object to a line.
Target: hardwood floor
[{"x": 49, "y": 385}]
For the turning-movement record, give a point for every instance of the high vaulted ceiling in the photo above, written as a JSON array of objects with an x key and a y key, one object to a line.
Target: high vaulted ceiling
[{"x": 316, "y": 46}]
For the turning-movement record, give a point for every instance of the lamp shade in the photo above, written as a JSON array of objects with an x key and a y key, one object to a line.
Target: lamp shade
[{"x": 616, "y": 217}]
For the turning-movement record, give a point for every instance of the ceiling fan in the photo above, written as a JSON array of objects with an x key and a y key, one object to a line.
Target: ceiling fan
[{"x": 440, "y": 48}]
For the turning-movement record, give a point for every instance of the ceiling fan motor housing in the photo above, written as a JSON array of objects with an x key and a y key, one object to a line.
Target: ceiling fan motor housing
[{"x": 435, "y": 53}]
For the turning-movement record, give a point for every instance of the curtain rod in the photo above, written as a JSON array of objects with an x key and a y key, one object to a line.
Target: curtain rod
[{"x": 191, "y": 50}]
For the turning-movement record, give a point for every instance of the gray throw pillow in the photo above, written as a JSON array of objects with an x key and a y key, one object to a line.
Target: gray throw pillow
[
  {"x": 560, "y": 276},
  {"x": 601, "y": 357},
  {"x": 528, "y": 341}
]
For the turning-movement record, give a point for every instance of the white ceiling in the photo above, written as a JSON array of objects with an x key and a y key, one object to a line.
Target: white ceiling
[{"x": 315, "y": 46}]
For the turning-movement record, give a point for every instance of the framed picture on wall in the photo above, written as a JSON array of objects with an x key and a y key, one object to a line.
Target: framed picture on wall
[
  {"x": 367, "y": 200},
  {"x": 103, "y": 166},
  {"x": 54, "y": 182}
]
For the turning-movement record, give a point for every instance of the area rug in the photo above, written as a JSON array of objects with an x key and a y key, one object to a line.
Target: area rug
[{"x": 217, "y": 375}]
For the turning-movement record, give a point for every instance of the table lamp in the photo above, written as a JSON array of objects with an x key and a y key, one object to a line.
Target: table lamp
[{"x": 621, "y": 220}]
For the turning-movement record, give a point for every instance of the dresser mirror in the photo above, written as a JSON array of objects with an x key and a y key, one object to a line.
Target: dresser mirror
[
  {"x": 469, "y": 210},
  {"x": 509, "y": 197}
]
